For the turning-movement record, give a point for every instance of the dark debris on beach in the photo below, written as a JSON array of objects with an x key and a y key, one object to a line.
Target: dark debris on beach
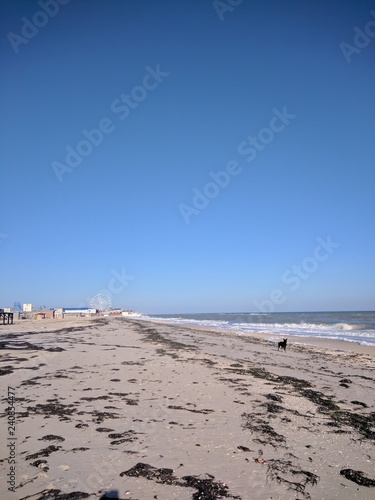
[
  {"x": 326, "y": 405},
  {"x": 206, "y": 488},
  {"x": 362, "y": 423},
  {"x": 55, "y": 494},
  {"x": 358, "y": 477},
  {"x": 284, "y": 471},
  {"x": 100, "y": 416},
  {"x": 45, "y": 452},
  {"x": 6, "y": 370},
  {"x": 27, "y": 346},
  {"x": 204, "y": 411},
  {"x": 52, "y": 437},
  {"x": 41, "y": 464},
  {"x": 259, "y": 426},
  {"x": 152, "y": 335},
  {"x": 52, "y": 408}
]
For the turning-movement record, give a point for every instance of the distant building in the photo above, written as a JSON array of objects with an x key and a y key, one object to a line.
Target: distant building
[
  {"x": 78, "y": 311},
  {"x": 27, "y": 308},
  {"x": 45, "y": 314},
  {"x": 59, "y": 312},
  {"x": 131, "y": 314}
]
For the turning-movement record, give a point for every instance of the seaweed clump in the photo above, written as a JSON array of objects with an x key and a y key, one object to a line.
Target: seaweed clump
[
  {"x": 56, "y": 494},
  {"x": 362, "y": 423},
  {"x": 45, "y": 452},
  {"x": 358, "y": 477},
  {"x": 52, "y": 408},
  {"x": 284, "y": 471},
  {"x": 206, "y": 488},
  {"x": 270, "y": 436}
]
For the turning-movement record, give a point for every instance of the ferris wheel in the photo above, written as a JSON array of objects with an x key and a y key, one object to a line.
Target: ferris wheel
[{"x": 101, "y": 302}]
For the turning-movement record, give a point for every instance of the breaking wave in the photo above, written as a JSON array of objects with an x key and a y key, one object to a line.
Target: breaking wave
[{"x": 352, "y": 327}]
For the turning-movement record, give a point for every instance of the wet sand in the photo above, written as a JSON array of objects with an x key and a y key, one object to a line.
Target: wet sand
[{"x": 128, "y": 409}]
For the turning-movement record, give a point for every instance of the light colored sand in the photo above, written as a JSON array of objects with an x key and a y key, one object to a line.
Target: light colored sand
[{"x": 185, "y": 399}]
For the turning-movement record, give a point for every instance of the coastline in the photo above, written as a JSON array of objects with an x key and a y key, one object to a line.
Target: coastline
[
  {"x": 323, "y": 343},
  {"x": 203, "y": 410}
]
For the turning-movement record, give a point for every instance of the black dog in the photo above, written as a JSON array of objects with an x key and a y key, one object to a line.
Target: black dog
[{"x": 282, "y": 344}]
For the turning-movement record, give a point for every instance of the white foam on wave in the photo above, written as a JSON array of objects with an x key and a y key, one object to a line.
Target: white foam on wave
[
  {"x": 186, "y": 321},
  {"x": 339, "y": 331},
  {"x": 345, "y": 326}
]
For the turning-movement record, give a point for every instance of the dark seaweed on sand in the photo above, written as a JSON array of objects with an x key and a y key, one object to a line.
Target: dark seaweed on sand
[
  {"x": 164, "y": 475},
  {"x": 152, "y": 335},
  {"x": 325, "y": 403},
  {"x": 6, "y": 370},
  {"x": 23, "y": 345},
  {"x": 100, "y": 416},
  {"x": 274, "y": 397},
  {"x": 52, "y": 408},
  {"x": 44, "y": 453},
  {"x": 51, "y": 437},
  {"x": 58, "y": 495},
  {"x": 205, "y": 411},
  {"x": 243, "y": 448},
  {"x": 207, "y": 488},
  {"x": 42, "y": 463},
  {"x": 295, "y": 478},
  {"x": 273, "y": 408},
  {"x": 359, "y": 403},
  {"x": 258, "y": 425},
  {"x": 358, "y": 477},
  {"x": 95, "y": 399},
  {"x": 362, "y": 423}
]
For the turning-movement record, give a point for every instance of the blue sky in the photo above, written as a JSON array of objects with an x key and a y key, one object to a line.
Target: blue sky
[{"x": 181, "y": 89}]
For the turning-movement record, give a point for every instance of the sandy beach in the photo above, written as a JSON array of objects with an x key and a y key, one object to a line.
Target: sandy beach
[{"x": 128, "y": 409}]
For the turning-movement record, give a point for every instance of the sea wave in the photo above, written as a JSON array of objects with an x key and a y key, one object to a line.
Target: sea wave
[
  {"x": 345, "y": 326},
  {"x": 342, "y": 331},
  {"x": 300, "y": 326},
  {"x": 186, "y": 321}
]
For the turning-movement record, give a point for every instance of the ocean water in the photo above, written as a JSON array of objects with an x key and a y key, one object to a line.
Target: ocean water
[{"x": 349, "y": 326}]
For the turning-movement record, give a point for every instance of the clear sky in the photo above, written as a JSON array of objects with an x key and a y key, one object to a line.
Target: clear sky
[{"x": 232, "y": 165}]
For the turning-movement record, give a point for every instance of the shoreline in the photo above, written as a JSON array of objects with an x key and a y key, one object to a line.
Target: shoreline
[
  {"x": 319, "y": 342},
  {"x": 324, "y": 343},
  {"x": 152, "y": 409}
]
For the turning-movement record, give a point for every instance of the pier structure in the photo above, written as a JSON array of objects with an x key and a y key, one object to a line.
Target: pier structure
[{"x": 6, "y": 318}]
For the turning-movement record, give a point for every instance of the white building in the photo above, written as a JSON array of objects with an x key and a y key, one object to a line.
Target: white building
[{"x": 78, "y": 311}]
